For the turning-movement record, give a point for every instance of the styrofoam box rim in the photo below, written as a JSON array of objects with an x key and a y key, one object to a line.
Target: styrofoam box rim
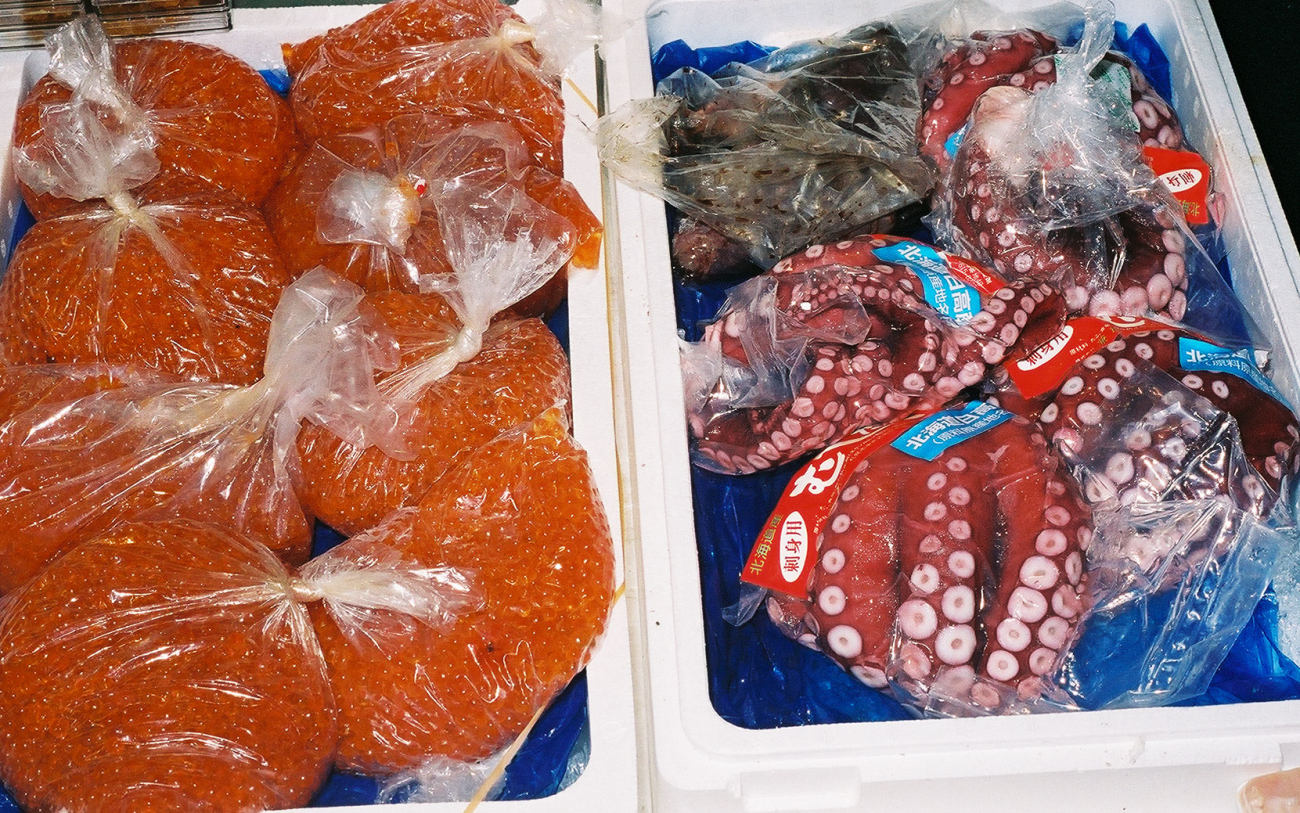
[
  {"x": 610, "y": 779},
  {"x": 700, "y": 761}
]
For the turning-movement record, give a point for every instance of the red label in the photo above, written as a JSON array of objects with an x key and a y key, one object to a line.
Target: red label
[
  {"x": 785, "y": 552},
  {"x": 1187, "y": 176},
  {"x": 1046, "y": 366},
  {"x": 973, "y": 275}
]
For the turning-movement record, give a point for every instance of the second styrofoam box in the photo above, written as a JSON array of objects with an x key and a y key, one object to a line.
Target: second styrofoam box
[{"x": 1152, "y": 759}]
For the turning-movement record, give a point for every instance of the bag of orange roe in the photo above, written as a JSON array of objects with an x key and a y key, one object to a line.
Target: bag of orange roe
[
  {"x": 465, "y": 374},
  {"x": 83, "y": 448},
  {"x": 172, "y": 665}
]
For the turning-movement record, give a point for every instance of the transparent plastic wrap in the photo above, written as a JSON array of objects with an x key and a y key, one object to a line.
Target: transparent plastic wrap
[
  {"x": 1171, "y": 586},
  {"x": 462, "y": 379},
  {"x": 472, "y": 60},
  {"x": 110, "y": 116},
  {"x": 942, "y": 557},
  {"x": 1054, "y": 185},
  {"x": 1110, "y": 358},
  {"x": 185, "y": 285},
  {"x": 811, "y": 143},
  {"x": 172, "y": 665},
  {"x": 522, "y": 512},
  {"x": 365, "y": 205},
  {"x": 83, "y": 448},
  {"x": 845, "y": 336}
]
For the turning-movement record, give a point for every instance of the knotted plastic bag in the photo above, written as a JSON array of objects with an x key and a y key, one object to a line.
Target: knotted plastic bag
[
  {"x": 186, "y": 285},
  {"x": 82, "y": 449},
  {"x": 523, "y": 514},
  {"x": 812, "y": 143},
  {"x": 472, "y": 60},
  {"x": 110, "y": 116},
  {"x": 172, "y": 665},
  {"x": 463, "y": 378},
  {"x": 364, "y": 205}
]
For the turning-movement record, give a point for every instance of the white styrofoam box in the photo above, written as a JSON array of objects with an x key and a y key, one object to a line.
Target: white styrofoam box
[
  {"x": 609, "y": 782},
  {"x": 1186, "y": 759}
]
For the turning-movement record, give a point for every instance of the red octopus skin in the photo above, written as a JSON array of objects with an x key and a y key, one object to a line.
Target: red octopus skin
[
  {"x": 990, "y": 203},
  {"x": 908, "y": 360},
  {"x": 923, "y": 578},
  {"x": 1269, "y": 430},
  {"x": 988, "y": 59}
]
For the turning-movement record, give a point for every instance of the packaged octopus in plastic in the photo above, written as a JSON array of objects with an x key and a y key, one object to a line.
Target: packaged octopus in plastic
[
  {"x": 84, "y": 448},
  {"x": 942, "y": 556},
  {"x": 185, "y": 285},
  {"x": 1049, "y": 181},
  {"x": 521, "y": 513},
  {"x": 463, "y": 378},
  {"x": 844, "y": 336},
  {"x": 812, "y": 143},
  {"x": 111, "y": 116},
  {"x": 1155, "y": 411},
  {"x": 472, "y": 60},
  {"x": 172, "y": 665},
  {"x": 365, "y": 205}
]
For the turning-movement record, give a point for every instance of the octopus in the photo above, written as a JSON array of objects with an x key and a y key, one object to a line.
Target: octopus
[
  {"x": 811, "y": 144},
  {"x": 522, "y": 517},
  {"x": 1143, "y": 437},
  {"x": 840, "y": 337},
  {"x": 1023, "y": 59},
  {"x": 365, "y": 205},
  {"x": 137, "y": 678},
  {"x": 959, "y": 579},
  {"x": 471, "y": 60},
  {"x": 1132, "y": 263},
  {"x": 212, "y": 120}
]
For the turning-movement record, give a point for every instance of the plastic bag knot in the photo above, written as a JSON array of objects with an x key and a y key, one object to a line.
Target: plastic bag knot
[
  {"x": 304, "y": 592},
  {"x": 515, "y": 32}
]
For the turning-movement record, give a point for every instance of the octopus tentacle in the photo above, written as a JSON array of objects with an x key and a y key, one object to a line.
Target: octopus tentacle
[{"x": 873, "y": 349}]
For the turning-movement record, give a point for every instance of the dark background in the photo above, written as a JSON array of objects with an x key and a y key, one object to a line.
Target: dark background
[{"x": 1262, "y": 38}]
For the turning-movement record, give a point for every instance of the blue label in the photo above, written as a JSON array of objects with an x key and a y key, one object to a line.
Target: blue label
[
  {"x": 946, "y": 293},
  {"x": 954, "y": 141},
  {"x": 942, "y": 430},
  {"x": 1194, "y": 354}
]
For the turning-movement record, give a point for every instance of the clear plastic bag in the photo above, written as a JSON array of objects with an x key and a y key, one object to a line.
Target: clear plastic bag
[
  {"x": 173, "y": 665},
  {"x": 471, "y": 60},
  {"x": 948, "y": 560},
  {"x": 844, "y": 336},
  {"x": 112, "y": 115},
  {"x": 185, "y": 285},
  {"x": 812, "y": 143},
  {"x": 83, "y": 448},
  {"x": 365, "y": 205},
  {"x": 522, "y": 512},
  {"x": 462, "y": 378},
  {"x": 1055, "y": 186}
]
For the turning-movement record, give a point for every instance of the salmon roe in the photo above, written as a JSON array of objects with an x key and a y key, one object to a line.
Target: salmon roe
[
  {"x": 215, "y": 120},
  {"x": 161, "y": 668},
  {"x": 81, "y": 451},
  {"x": 187, "y": 286},
  {"x": 418, "y": 155},
  {"x": 388, "y": 63},
  {"x": 522, "y": 518},
  {"x": 521, "y": 371}
]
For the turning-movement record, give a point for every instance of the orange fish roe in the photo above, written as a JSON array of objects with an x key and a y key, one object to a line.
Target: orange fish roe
[
  {"x": 521, "y": 371},
  {"x": 82, "y": 449},
  {"x": 394, "y": 177},
  {"x": 214, "y": 119},
  {"x": 162, "y": 668},
  {"x": 468, "y": 59},
  {"x": 522, "y": 517},
  {"x": 186, "y": 286}
]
